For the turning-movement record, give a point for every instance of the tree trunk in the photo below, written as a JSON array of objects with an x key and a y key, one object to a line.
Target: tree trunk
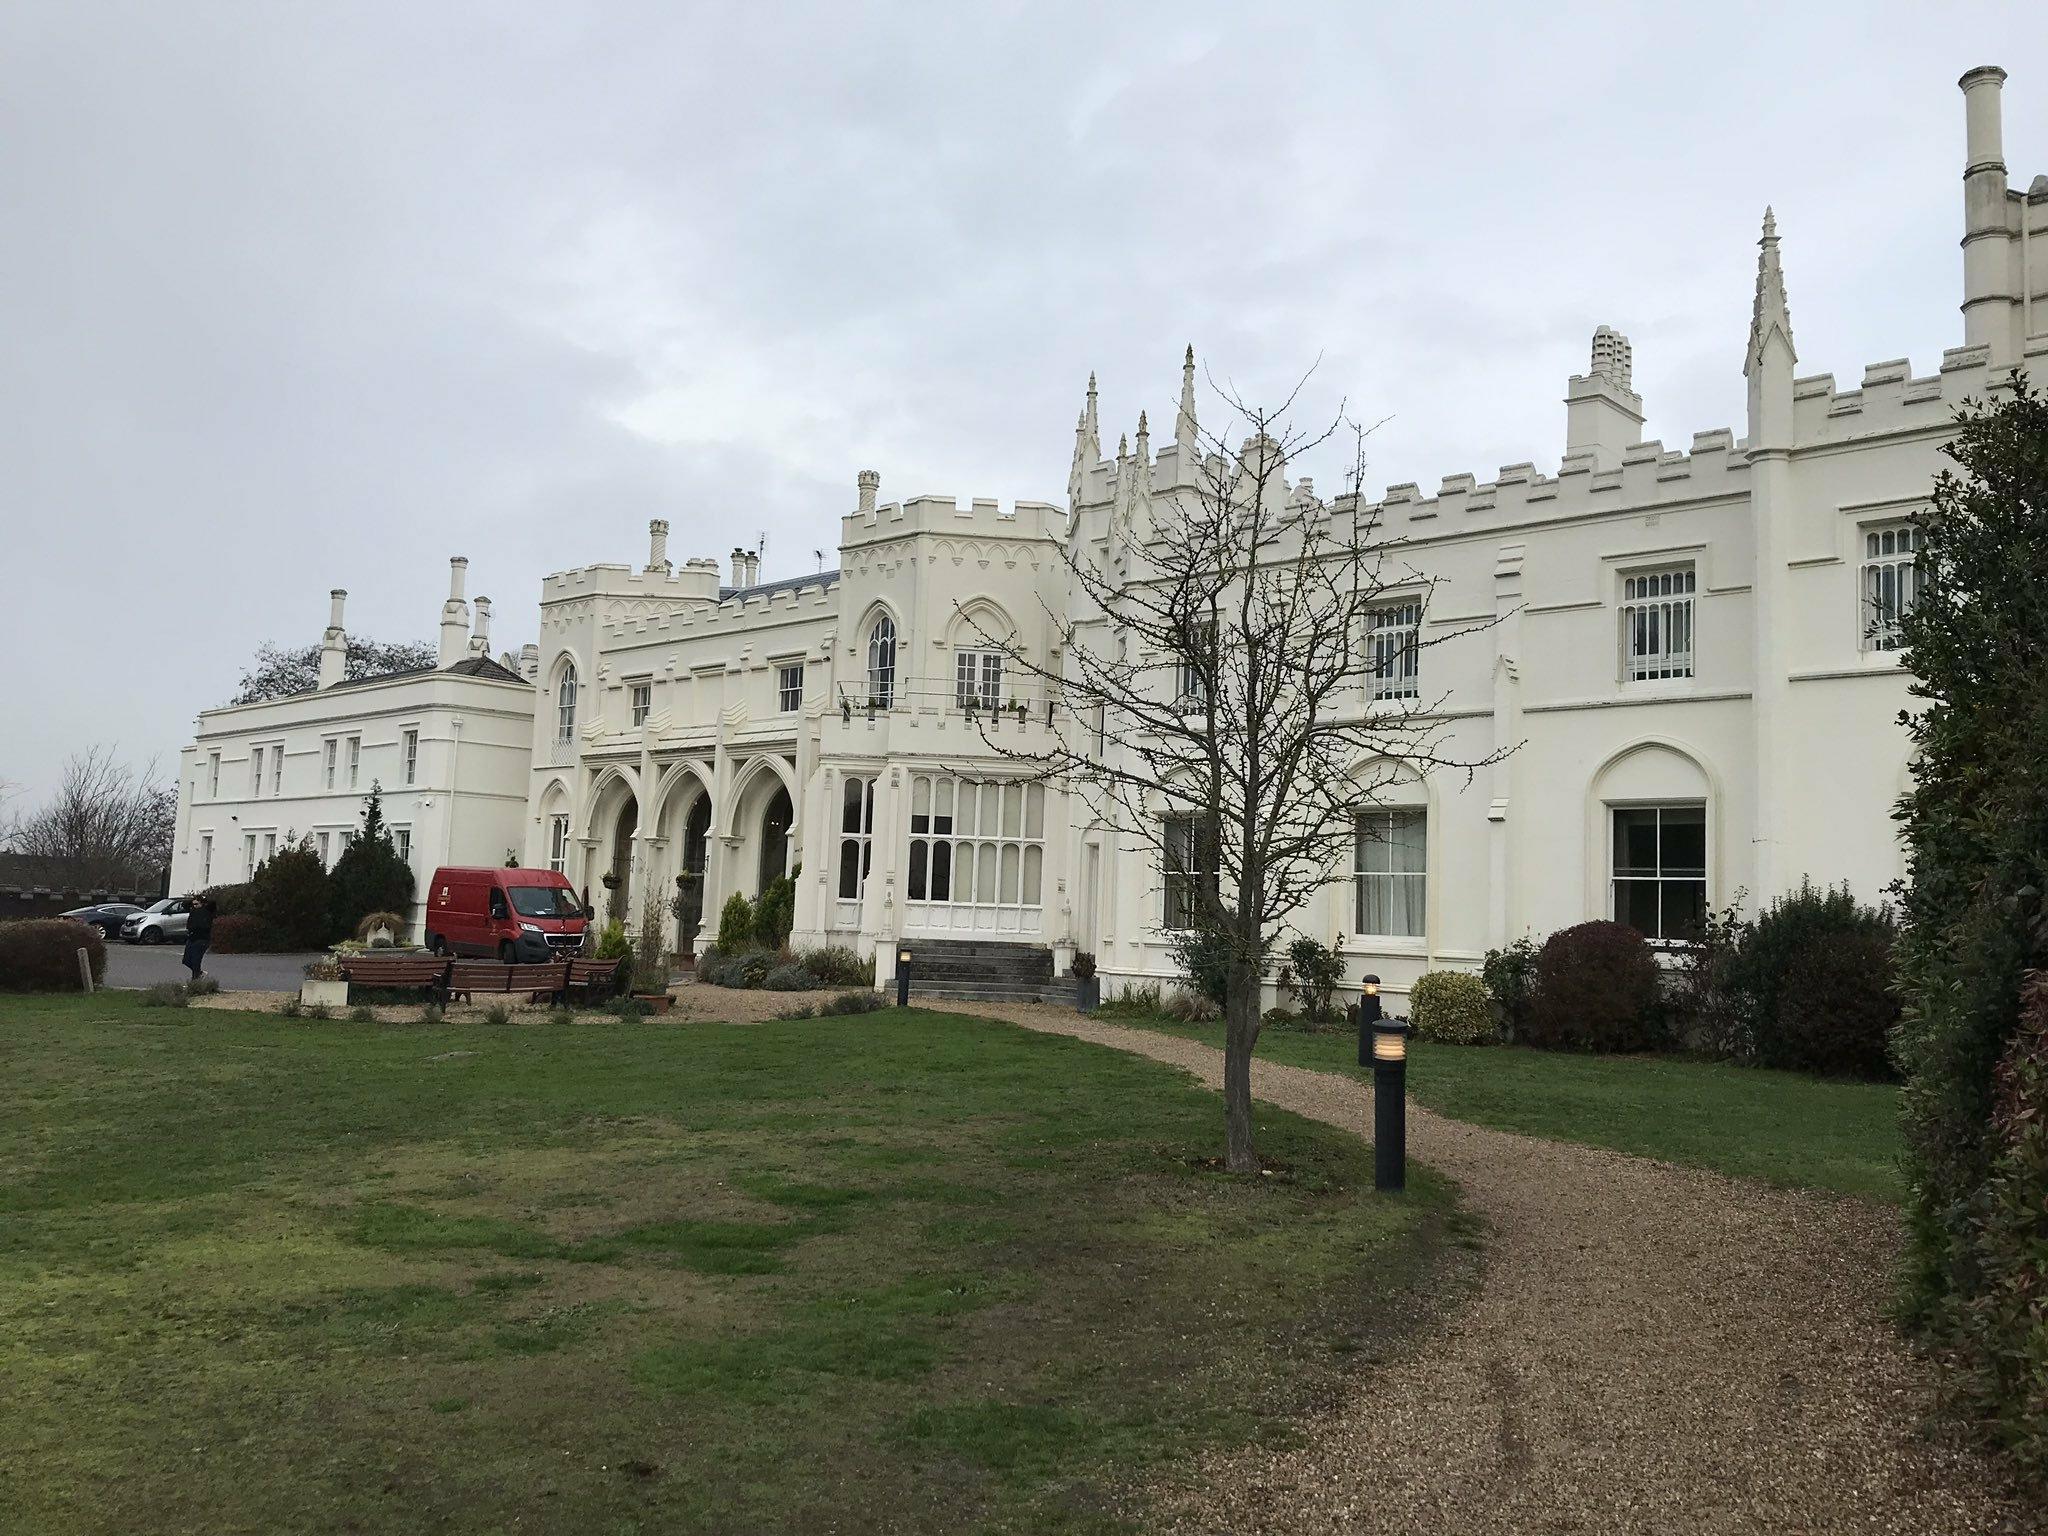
[{"x": 1240, "y": 1034}]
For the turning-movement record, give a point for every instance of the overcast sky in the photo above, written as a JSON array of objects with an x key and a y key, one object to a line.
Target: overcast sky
[{"x": 296, "y": 296}]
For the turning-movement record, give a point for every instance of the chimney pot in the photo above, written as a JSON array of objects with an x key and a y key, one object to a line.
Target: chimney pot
[{"x": 869, "y": 481}]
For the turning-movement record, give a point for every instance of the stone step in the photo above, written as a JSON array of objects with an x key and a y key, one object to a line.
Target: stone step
[{"x": 1051, "y": 992}]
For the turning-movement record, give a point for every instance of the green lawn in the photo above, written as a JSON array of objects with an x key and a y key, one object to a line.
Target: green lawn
[
  {"x": 903, "y": 1272},
  {"x": 1779, "y": 1127}
]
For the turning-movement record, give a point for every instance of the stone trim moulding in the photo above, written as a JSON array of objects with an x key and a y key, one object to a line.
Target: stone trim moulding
[{"x": 1716, "y": 696}]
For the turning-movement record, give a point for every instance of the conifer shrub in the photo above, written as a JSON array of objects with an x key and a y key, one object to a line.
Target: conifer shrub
[
  {"x": 1452, "y": 1007},
  {"x": 369, "y": 876},
  {"x": 736, "y": 924},
  {"x": 774, "y": 913},
  {"x": 291, "y": 896},
  {"x": 41, "y": 954},
  {"x": 1596, "y": 990}
]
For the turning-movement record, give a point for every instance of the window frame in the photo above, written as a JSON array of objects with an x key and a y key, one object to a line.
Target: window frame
[
  {"x": 1395, "y": 898},
  {"x": 1393, "y": 645},
  {"x": 856, "y": 840},
  {"x": 558, "y": 842},
  {"x": 977, "y": 678},
  {"x": 1615, "y": 810},
  {"x": 789, "y": 687},
  {"x": 213, "y": 775},
  {"x": 882, "y": 656},
  {"x": 1649, "y": 612},
  {"x": 256, "y": 752},
  {"x": 1878, "y": 636},
  {"x": 1192, "y": 694},
  {"x": 409, "y": 754},
  {"x": 567, "y": 694},
  {"x": 639, "y": 701},
  {"x": 1180, "y": 879},
  {"x": 330, "y": 760},
  {"x": 276, "y": 769},
  {"x": 968, "y": 851},
  {"x": 205, "y": 859},
  {"x": 355, "y": 762}
]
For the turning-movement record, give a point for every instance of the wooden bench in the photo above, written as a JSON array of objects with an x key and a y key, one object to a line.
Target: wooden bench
[
  {"x": 468, "y": 977},
  {"x": 396, "y": 973},
  {"x": 596, "y": 979}
]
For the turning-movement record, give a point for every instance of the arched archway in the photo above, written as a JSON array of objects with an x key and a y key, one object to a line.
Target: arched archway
[
  {"x": 614, "y": 821},
  {"x": 1652, "y": 833},
  {"x": 776, "y": 819}
]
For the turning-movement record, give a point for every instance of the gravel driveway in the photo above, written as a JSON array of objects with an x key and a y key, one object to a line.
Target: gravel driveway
[{"x": 1652, "y": 1349}]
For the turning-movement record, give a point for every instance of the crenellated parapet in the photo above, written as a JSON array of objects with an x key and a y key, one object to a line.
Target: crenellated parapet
[
  {"x": 1891, "y": 399},
  {"x": 943, "y": 516}
]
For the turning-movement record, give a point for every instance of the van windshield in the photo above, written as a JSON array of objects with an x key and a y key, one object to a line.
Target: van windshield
[{"x": 543, "y": 901}]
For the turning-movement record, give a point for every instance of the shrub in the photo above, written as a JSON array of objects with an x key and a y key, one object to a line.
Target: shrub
[
  {"x": 627, "y": 1009},
  {"x": 650, "y": 950},
  {"x": 290, "y": 895},
  {"x": 790, "y": 978},
  {"x": 41, "y": 954},
  {"x": 1596, "y": 990},
  {"x": 1705, "y": 1013},
  {"x": 1083, "y": 967},
  {"x": 1510, "y": 976},
  {"x": 612, "y": 943},
  {"x": 1452, "y": 1007},
  {"x": 1836, "y": 1009},
  {"x": 1140, "y": 1001},
  {"x": 736, "y": 924},
  {"x": 1204, "y": 959},
  {"x": 561, "y": 1016},
  {"x": 232, "y": 900},
  {"x": 244, "y": 933},
  {"x": 1317, "y": 970},
  {"x": 1792, "y": 935},
  {"x": 319, "y": 1011},
  {"x": 837, "y": 966},
  {"x": 205, "y": 986},
  {"x": 433, "y": 1013},
  {"x": 1187, "y": 1007},
  {"x": 852, "y": 1002},
  {"x": 369, "y": 876},
  {"x": 165, "y": 994},
  {"x": 801, "y": 1011},
  {"x": 774, "y": 913},
  {"x": 291, "y": 1008},
  {"x": 361, "y": 1015},
  {"x": 497, "y": 1013}
]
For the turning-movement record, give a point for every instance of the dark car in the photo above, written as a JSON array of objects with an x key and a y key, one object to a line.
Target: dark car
[{"x": 107, "y": 916}]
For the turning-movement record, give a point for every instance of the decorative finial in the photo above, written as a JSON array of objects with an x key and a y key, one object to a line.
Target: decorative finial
[
  {"x": 1123, "y": 445},
  {"x": 1185, "y": 434},
  {"x": 1772, "y": 313},
  {"x": 1770, "y": 223}
]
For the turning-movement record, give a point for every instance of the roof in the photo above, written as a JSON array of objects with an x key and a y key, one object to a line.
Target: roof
[
  {"x": 786, "y": 584},
  {"x": 470, "y": 666}
]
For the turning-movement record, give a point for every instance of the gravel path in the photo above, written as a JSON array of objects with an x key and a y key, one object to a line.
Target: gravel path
[{"x": 1651, "y": 1349}]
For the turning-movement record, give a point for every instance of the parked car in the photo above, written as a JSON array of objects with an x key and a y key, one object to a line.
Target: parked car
[
  {"x": 107, "y": 916},
  {"x": 158, "y": 923},
  {"x": 513, "y": 914}
]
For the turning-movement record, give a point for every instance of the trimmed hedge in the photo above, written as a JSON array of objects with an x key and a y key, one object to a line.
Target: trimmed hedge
[
  {"x": 243, "y": 933},
  {"x": 41, "y": 954},
  {"x": 1596, "y": 990},
  {"x": 1836, "y": 1009},
  {"x": 1452, "y": 1007}
]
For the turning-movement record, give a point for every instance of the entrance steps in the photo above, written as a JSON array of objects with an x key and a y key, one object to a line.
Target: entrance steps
[{"x": 987, "y": 971}]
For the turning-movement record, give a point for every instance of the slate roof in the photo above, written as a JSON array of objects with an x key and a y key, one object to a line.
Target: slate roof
[
  {"x": 786, "y": 584},
  {"x": 469, "y": 666}
]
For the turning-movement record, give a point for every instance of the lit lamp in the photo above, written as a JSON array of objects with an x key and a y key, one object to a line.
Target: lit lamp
[
  {"x": 1389, "y": 1090},
  {"x": 902, "y": 978}
]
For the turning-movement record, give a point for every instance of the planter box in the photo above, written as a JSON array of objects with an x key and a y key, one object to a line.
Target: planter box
[
  {"x": 658, "y": 1002},
  {"x": 327, "y": 994},
  {"x": 1087, "y": 993}
]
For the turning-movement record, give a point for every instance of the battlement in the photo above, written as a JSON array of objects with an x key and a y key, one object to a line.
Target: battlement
[
  {"x": 1890, "y": 398},
  {"x": 943, "y": 515}
]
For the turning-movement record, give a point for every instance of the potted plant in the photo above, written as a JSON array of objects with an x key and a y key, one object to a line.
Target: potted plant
[
  {"x": 1087, "y": 985},
  {"x": 323, "y": 986},
  {"x": 649, "y": 960}
]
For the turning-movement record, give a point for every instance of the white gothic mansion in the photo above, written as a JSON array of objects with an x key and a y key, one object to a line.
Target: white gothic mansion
[{"x": 1691, "y": 650}]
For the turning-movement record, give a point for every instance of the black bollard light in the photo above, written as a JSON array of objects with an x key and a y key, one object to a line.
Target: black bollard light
[
  {"x": 1390, "y": 1104},
  {"x": 902, "y": 978}
]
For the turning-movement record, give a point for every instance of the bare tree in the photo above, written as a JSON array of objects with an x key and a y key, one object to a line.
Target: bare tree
[
  {"x": 279, "y": 672},
  {"x": 106, "y": 825},
  {"x": 1215, "y": 676}
]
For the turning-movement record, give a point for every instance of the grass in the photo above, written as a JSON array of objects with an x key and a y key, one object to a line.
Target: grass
[
  {"x": 1780, "y": 1128},
  {"x": 908, "y": 1273}
]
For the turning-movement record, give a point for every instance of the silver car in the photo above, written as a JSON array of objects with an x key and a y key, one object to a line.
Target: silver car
[{"x": 158, "y": 923}]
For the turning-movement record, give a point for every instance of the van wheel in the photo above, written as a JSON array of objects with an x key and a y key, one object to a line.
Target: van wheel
[
  {"x": 506, "y": 954},
  {"x": 436, "y": 945}
]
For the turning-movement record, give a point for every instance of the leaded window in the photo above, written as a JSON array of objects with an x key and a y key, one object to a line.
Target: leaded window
[
  {"x": 1891, "y": 582},
  {"x": 882, "y": 663}
]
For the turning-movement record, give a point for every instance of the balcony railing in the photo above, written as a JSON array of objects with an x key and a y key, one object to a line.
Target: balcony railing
[{"x": 1028, "y": 704}]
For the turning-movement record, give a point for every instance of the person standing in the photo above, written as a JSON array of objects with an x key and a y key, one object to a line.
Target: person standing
[{"x": 198, "y": 933}]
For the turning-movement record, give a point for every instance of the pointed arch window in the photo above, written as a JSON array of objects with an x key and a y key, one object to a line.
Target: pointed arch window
[
  {"x": 565, "y": 704},
  {"x": 882, "y": 663}
]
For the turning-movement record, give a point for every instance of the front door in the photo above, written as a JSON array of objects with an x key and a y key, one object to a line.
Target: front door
[{"x": 696, "y": 856}]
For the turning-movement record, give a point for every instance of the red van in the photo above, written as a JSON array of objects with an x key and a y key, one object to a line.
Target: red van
[{"x": 513, "y": 914}]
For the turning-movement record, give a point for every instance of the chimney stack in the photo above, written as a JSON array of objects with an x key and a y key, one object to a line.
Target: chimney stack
[
  {"x": 480, "y": 637},
  {"x": 455, "y": 615},
  {"x": 739, "y": 567},
  {"x": 529, "y": 661},
  {"x": 753, "y": 567},
  {"x": 1603, "y": 413},
  {"x": 1990, "y": 244},
  {"x": 334, "y": 644},
  {"x": 657, "y": 545},
  {"x": 869, "y": 481}
]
